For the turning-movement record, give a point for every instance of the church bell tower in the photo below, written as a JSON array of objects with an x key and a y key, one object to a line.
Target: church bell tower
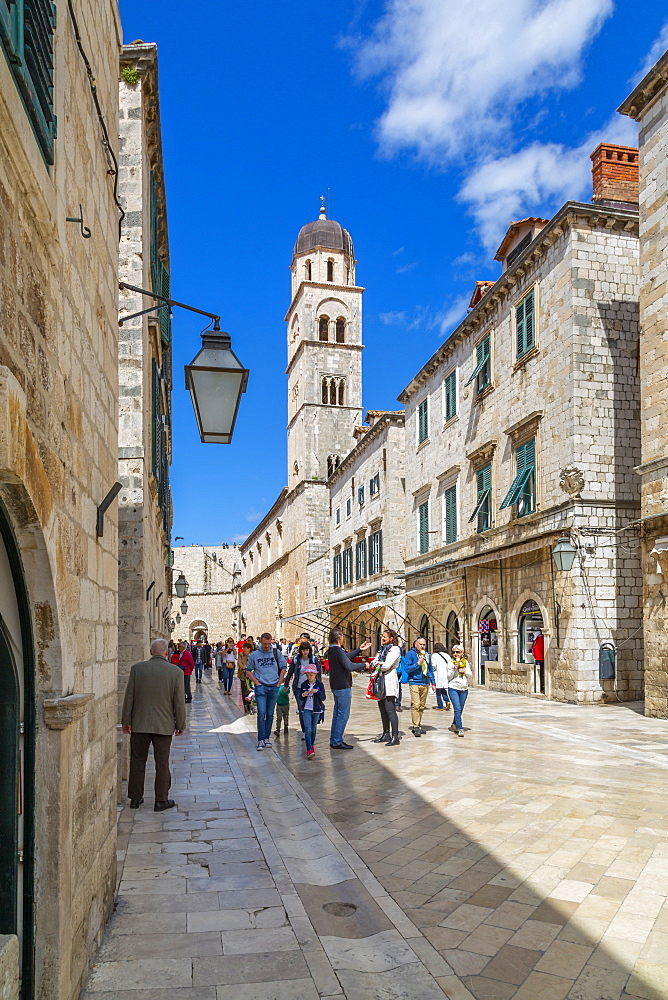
[{"x": 324, "y": 351}]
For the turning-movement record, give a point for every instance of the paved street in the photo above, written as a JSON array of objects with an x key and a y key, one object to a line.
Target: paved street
[{"x": 527, "y": 861}]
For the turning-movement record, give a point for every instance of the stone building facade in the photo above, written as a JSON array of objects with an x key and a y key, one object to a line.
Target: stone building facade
[
  {"x": 59, "y": 231},
  {"x": 213, "y": 573},
  {"x": 367, "y": 531},
  {"x": 524, "y": 426},
  {"x": 648, "y": 105},
  {"x": 285, "y": 559},
  {"x": 145, "y": 368}
]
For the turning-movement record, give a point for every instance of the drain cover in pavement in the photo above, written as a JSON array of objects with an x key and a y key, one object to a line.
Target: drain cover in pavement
[{"x": 339, "y": 909}]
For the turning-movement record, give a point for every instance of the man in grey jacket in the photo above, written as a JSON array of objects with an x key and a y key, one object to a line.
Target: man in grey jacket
[{"x": 153, "y": 711}]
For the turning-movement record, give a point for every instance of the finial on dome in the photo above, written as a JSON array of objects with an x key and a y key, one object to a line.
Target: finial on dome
[{"x": 322, "y": 207}]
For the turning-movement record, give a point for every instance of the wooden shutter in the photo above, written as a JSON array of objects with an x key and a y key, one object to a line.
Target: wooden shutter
[
  {"x": 524, "y": 325},
  {"x": 451, "y": 395},
  {"x": 451, "y": 515},
  {"x": 27, "y": 29},
  {"x": 423, "y": 421},
  {"x": 424, "y": 527},
  {"x": 525, "y": 463}
]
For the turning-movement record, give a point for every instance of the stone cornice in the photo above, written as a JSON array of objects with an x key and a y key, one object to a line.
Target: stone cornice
[
  {"x": 319, "y": 343},
  {"x": 569, "y": 214},
  {"x": 339, "y": 409},
  {"x": 61, "y": 710},
  {"x": 482, "y": 455},
  {"x": 379, "y": 425},
  {"x": 649, "y": 87},
  {"x": 320, "y": 284}
]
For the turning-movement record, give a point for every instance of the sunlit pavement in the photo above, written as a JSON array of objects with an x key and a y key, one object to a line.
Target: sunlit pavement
[{"x": 528, "y": 860}]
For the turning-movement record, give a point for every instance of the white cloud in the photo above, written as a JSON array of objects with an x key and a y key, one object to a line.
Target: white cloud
[
  {"x": 393, "y": 318},
  {"x": 539, "y": 177},
  {"x": 406, "y": 267},
  {"x": 659, "y": 46},
  {"x": 455, "y": 72},
  {"x": 450, "y": 316}
]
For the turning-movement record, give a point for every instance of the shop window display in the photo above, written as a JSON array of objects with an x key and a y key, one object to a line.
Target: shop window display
[{"x": 488, "y": 641}]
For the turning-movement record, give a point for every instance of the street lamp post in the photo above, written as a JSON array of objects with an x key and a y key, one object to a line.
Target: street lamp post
[{"x": 216, "y": 380}]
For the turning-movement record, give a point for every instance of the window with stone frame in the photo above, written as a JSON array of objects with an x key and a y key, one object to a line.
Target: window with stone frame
[
  {"x": 423, "y": 527},
  {"x": 374, "y": 485},
  {"x": 27, "y": 30},
  {"x": 340, "y": 330},
  {"x": 482, "y": 373},
  {"x": 450, "y": 395},
  {"x": 338, "y": 515},
  {"x": 347, "y": 565},
  {"x": 337, "y": 570},
  {"x": 450, "y": 515},
  {"x": 423, "y": 420},
  {"x": 482, "y": 512},
  {"x": 525, "y": 325},
  {"x": 330, "y": 270},
  {"x": 522, "y": 492},
  {"x": 360, "y": 559},
  {"x": 375, "y": 553},
  {"x": 323, "y": 328}
]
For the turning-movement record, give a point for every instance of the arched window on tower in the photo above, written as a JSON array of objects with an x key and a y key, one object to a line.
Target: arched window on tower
[
  {"x": 325, "y": 390},
  {"x": 342, "y": 386},
  {"x": 323, "y": 327},
  {"x": 295, "y": 473},
  {"x": 340, "y": 330},
  {"x": 307, "y": 270},
  {"x": 333, "y": 462},
  {"x": 332, "y": 392},
  {"x": 330, "y": 270}
]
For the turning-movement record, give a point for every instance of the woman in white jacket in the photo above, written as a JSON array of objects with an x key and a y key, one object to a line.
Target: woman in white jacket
[
  {"x": 386, "y": 662},
  {"x": 459, "y": 675},
  {"x": 440, "y": 664}
]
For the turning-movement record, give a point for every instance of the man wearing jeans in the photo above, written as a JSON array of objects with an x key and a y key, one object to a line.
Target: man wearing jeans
[
  {"x": 341, "y": 686},
  {"x": 266, "y": 669},
  {"x": 198, "y": 657}
]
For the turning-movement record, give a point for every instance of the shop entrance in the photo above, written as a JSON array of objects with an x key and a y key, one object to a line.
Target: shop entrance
[
  {"x": 488, "y": 641},
  {"x": 452, "y": 632},
  {"x": 531, "y": 643}
]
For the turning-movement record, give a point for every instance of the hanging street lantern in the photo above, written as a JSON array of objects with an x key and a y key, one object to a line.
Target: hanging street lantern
[
  {"x": 216, "y": 380},
  {"x": 178, "y": 619},
  {"x": 181, "y": 586},
  {"x": 184, "y": 608},
  {"x": 563, "y": 554}
]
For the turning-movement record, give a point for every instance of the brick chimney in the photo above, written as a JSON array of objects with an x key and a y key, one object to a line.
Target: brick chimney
[{"x": 615, "y": 175}]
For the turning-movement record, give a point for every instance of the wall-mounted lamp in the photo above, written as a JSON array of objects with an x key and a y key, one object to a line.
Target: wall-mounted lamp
[{"x": 563, "y": 554}]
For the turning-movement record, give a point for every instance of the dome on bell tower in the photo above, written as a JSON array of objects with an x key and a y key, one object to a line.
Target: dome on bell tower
[{"x": 324, "y": 233}]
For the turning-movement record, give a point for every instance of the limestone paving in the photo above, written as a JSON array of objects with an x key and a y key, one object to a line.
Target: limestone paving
[{"x": 529, "y": 860}]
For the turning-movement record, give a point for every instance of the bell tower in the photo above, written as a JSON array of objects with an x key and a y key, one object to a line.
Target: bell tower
[{"x": 324, "y": 351}]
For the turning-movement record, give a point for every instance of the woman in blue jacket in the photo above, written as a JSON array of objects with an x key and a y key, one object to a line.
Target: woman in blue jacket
[
  {"x": 420, "y": 675},
  {"x": 311, "y": 698}
]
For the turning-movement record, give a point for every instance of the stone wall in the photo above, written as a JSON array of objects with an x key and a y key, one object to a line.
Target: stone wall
[
  {"x": 575, "y": 394},
  {"x": 9, "y": 967},
  {"x": 648, "y": 104},
  {"x": 58, "y": 460},
  {"x": 212, "y": 572}
]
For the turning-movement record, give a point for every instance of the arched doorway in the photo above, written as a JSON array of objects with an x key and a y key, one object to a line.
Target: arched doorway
[
  {"x": 424, "y": 627},
  {"x": 529, "y": 626},
  {"x": 488, "y": 641},
  {"x": 199, "y": 630},
  {"x": 17, "y": 731},
  {"x": 452, "y": 631}
]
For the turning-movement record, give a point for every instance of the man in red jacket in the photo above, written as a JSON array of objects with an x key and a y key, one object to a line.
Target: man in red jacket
[{"x": 187, "y": 665}]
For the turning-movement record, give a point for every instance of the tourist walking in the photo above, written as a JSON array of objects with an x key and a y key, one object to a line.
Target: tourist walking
[
  {"x": 312, "y": 697},
  {"x": 206, "y": 649},
  {"x": 184, "y": 660},
  {"x": 153, "y": 711},
  {"x": 304, "y": 656},
  {"x": 386, "y": 661},
  {"x": 266, "y": 669},
  {"x": 283, "y": 708},
  {"x": 244, "y": 680},
  {"x": 420, "y": 677},
  {"x": 458, "y": 687},
  {"x": 199, "y": 660},
  {"x": 441, "y": 661},
  {"x": 341, "y": 686},
  {"x": 229, "y": 663}
]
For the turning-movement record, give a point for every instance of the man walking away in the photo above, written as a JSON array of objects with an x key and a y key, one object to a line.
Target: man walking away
[
  {"x": 266, "y": 669},
  {"x": 198, "y": 658},
  {"x": 341, "y": 686},
  {"x": 153, "y": 711}
]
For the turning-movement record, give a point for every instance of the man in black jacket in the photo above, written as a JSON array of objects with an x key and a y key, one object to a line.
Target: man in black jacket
[{"x": 341, "y": 686}]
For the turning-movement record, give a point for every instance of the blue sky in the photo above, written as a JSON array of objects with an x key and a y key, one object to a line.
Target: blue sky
[{"x": 432, "y": 123}]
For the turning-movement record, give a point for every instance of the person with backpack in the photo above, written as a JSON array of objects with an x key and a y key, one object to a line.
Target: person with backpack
[
  {"x": 420, "y": 676},
  {"x": 266, "y": 669},
  {"x": 386, "y": 662},
  {"x": 441, "y": 662},
  {"x": 458, "y": 687}
]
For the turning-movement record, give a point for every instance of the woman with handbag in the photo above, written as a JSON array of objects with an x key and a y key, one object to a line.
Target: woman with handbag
[
  {"x": 385, "y": 664},
  {"x": 459, "y": 675}
]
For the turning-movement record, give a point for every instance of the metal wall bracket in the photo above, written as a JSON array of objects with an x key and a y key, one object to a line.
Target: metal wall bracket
[
  {"x": 85, "y": 231},
  {"x": 104, "y": 506}
]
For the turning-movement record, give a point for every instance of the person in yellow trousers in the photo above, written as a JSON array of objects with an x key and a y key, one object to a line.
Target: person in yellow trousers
[{"x": 418, "y": 670}]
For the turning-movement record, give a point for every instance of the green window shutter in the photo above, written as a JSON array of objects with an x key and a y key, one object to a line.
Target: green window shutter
[
  {"x": 451, "y": 395},
  {"x": 524, "y": 325},
  {"x": 165, "y": 313},
  {"x": 423, "y": 420},
  {"x": 423, "y": 518},
  {"x": 483, "y": 492},
  {"x": 26, "y": 31},
  {"x": 155, "y": 418},
  {"x": 451, "y": 515},
  {"x": 153, "y": 233},
  {"x": 380, "y": 552},
  {"x": 525, "y": 464},
  {"x": 481, "y": 358}
]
